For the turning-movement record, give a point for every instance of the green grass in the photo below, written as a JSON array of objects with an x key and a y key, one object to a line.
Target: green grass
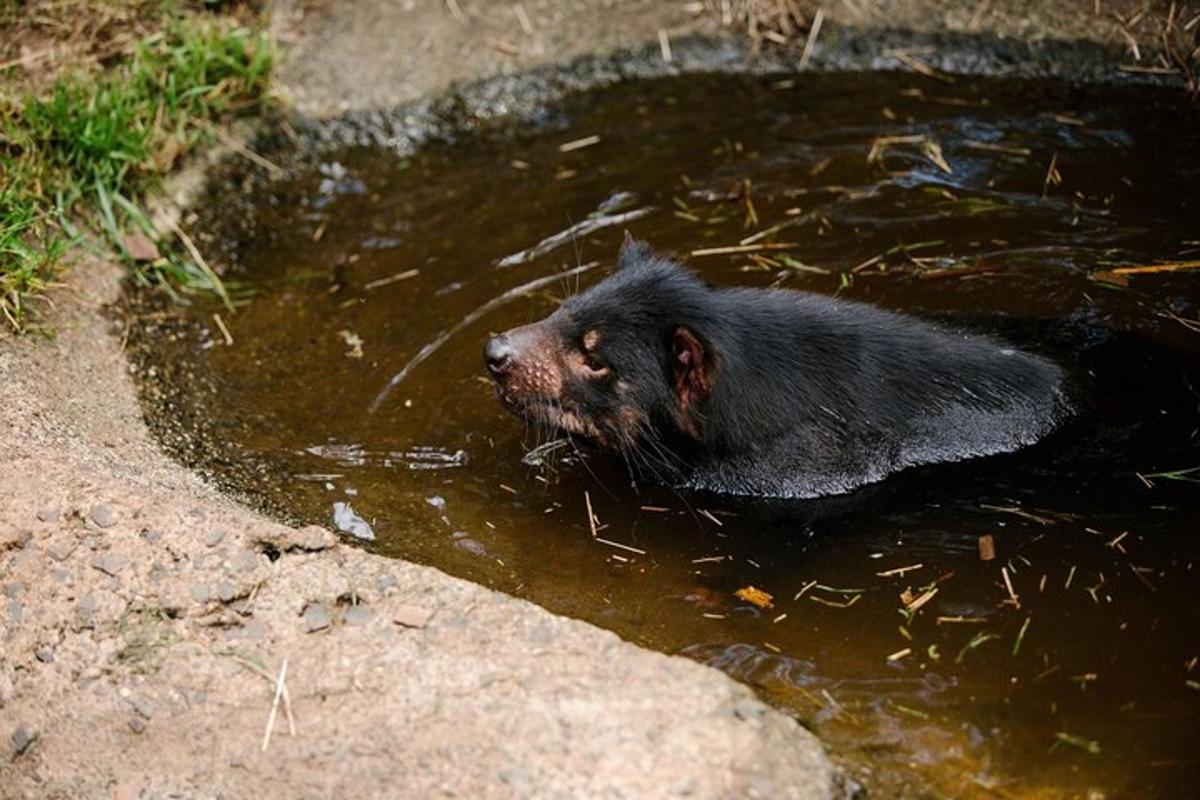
[{"x": 77, "y": 159}]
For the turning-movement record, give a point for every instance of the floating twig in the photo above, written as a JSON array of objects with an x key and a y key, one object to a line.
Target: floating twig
[
  {"x": 579, "y": 229},
  {"x": 742, "y": 248},
  {"x": 620, "y": 546},
  {"x": 400, "y": 276},
  {"x": 491, "y": 305}
]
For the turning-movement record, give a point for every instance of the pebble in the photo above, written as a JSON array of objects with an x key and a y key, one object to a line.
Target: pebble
[
  {"x": 226, "y": 591},
  {"x": 102, "y": 515},
  {"x": 110, "y": 564},
  {"x": 347, "y": 521},
  {"x": 316, "y": 618},
  {"x": 411, "y": 616},
  {"x": 143, "y": 708},
  {"x": 358, "y": 615},
  {"x": 385, "y": 582},
  {"x": 472, "y": 546},
  {"x": 22, "y": 739},
  {"x": 87, "y": 604},
  {"x": 50, "y": 513},
  {"x": 151, "y": 535},
  {"x": 136, "y": 725},
  {"x": 214, "y": 538},
  {"x": 245, "y": 561},
  {"x": 200, "y": 592},
  {"x": 45, "y": 654},
  {"x": 61, "y": 549},
  {"x": 14, "y": 588}
]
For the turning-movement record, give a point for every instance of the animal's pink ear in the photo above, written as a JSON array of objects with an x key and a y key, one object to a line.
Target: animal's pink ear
[{"x": 691, "y": 362}]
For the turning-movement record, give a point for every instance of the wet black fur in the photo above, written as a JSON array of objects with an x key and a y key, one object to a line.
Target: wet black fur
[{"x": 807, "y": 395}]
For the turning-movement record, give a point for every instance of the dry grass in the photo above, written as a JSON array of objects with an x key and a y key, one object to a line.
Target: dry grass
[{"x": 778, "y": 21}]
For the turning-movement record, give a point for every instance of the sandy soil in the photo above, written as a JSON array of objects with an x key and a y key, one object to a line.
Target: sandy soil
[{"x": 144, "y": 618}]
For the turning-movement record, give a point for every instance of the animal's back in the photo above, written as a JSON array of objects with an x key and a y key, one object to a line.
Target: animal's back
[{"x": 875, "y": 392}]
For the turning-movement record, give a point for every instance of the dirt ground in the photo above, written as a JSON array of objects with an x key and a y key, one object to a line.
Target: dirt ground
[{"x": 145, "y": 619}]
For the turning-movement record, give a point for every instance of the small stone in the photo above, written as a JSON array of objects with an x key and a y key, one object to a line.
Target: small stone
[
  {"x": 102, "y": 515},
  {"x": 140, "y": 247},
  {"x": 14, "y": 588},
  {"x": 151, "y": 535},
  {"x": 411, "y": 616},
  {"x": 50, "y": 513},
  {"x": 316, "y": 618},
  {"x": 251, "y": 629},
  {"x": 143, "y": 708},
  {"x": 226, "y": 591},
  {"x": 45, "y": 654},
  {"x": 214, "y": 538},
  {"x": 23, "y": 739},
  {"x": 136, "y": 725},
  {"x": 87, "y": 604},
  {"x": 245, "y": 561},
  {"x": 200, "y": 592},
  {"x": 385, "y": 582},
  {"x": 472, "y": 546},
  {"x": 61, "y": 549},
  {"x": 347, "y": 521},
  {"x": 358, "y": 615},
  {"x": 110, "y": 564}
]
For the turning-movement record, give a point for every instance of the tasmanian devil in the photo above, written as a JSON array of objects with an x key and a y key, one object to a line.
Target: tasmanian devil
[{"x": 767, "y": 392}]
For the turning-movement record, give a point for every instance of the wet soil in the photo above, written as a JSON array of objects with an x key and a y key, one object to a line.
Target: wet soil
[{"x": 1067, "y": 663}]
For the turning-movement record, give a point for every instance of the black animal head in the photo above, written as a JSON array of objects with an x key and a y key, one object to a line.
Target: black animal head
[{"x": 622, "y": 362}]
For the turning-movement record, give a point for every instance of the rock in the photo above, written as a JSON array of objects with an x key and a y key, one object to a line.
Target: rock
[
  {"x": 346, "y": 521},
  {"x": 226, "y": 592},
  {"x": 14, "y": 588},
  {"x": 50, "y": 513},
  {"x": 411, "y": 616},
  {"x": 136, "y": 725},
  {"x": 245, "y": 561},
  {"x": 87, "y": 604},
  {"x": 22, "y": 739},
  {"x": 200, "y": 592},
  {"x": 61, "y": 548},
  {"x": 316, "y": 618},
  {"x": 110, "y": 564},
  {"x": 472, "y": 546},
  {"x": 45, "y": 654},
  {"x": 151, "y": 535},
  {"x": 385, "y": 582},
  {"x": 102, "y": 515},
  {"x": 358, "y": 615},
  {"x": 213, "y": 538},
  {"x": 140, "y": 247},
  {"x": 143, "y": 708},
  {"x": 309, "y": 539}
]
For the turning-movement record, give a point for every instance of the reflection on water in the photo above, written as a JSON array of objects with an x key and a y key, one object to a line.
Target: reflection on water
[{"x": 1067, "y": 663}]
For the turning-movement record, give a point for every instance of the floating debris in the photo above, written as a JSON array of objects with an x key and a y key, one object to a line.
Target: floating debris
[
  {"x": 755, "y": 597},
  {"x": 987, "y": 547},
  {"x": 347, "y": 521}
]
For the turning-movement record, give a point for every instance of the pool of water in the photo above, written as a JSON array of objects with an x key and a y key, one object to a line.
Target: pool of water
[{"x": 1069, "y": 663}]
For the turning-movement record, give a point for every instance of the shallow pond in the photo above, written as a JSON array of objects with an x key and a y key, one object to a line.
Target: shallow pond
[{"x": 1067, "y": 663}]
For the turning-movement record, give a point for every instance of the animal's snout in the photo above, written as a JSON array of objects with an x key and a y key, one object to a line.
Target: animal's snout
[{"x": 499, "y": 354}]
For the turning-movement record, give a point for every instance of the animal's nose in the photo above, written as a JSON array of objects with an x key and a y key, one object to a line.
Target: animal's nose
[{"x": 499, "y": 355}]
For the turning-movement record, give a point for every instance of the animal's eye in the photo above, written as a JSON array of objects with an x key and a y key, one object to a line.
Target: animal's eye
[{"x": 594, "y": 364}]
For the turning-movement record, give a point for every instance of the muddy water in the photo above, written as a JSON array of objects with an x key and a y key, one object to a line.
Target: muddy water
[{"x": 1067, "y": 664}]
